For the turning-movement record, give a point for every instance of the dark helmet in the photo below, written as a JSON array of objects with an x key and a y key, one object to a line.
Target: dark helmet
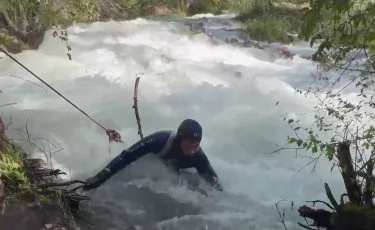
[{"x": 191, "y": 130}]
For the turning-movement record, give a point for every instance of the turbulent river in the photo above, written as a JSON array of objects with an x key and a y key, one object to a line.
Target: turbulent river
[{"x": 231, "y": 90}]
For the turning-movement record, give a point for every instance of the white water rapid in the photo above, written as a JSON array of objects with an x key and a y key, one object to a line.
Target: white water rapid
[{"x": 230, "y": 90}]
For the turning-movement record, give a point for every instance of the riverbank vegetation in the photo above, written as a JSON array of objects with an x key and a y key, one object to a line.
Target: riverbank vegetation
[
  {"x": 273, "y": 21},
  {"x": 343, "y": 130},
  {"x": 31, "y": 196},
  {"x": 23, "y": 23}
]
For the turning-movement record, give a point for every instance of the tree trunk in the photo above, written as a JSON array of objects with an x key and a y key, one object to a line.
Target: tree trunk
[{"x": 348, "y": 174}]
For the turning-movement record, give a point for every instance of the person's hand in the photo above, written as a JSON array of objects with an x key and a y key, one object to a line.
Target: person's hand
[
  {"x": 97, "y": 180},
  {"x": 217, "y": 185},
  {"x": 92, "y": 183}
]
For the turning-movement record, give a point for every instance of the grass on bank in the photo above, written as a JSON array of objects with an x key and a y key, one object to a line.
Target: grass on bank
[{"x": 273, "y": 23}]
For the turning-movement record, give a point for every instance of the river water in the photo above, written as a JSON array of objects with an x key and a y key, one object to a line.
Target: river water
[{"x": 232, "y": 91}]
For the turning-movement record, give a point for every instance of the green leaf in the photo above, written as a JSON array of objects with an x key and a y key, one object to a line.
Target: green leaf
[
  {"x": 330, "y": 149},
  {"x": 346, "y": 39},
  {"x": 309, "y": 22},
  {"x": 297, "y": 128},
  {"x": 15, "y": 165},
  {"x": 292, "y": 140},
  {"x": 367, "y": 145},
  {"x": 290, "y": 121},
  {"x": 299, "y": 142},
  {"x": 371, "y": 36},
  {"x": 314, "y": 149}
]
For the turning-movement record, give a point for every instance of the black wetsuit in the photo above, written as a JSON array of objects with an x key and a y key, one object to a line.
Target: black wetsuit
[{"x": 166, "y": 145}]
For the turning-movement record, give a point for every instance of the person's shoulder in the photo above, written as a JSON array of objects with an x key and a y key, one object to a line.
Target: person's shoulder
[
  {"x": 160, "y": 136},
  {"x": 154, "y": 142},
  {"x": 201, "y": 155}
]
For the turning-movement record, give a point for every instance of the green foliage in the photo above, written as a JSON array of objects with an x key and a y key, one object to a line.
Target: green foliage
[
  {"x": 271, "y": 23},
  {"x": 343, "y": 25},
  {"x": 11, "y": 167},
  {"x": 271, "y": 30},
  {"x": 355, "y": 217}
]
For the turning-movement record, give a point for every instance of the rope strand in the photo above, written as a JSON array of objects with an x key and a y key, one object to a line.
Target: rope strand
[{"x": 111, "y": 133}]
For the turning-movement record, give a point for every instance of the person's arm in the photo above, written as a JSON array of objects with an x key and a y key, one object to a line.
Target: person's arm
[
  {"x": 205, "y": 169},
  {"x": 153, "y": 143}
]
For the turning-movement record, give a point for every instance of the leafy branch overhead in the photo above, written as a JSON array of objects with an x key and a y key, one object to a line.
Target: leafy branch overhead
[
  {"x": 342, "y": 126},
  {"x": 341, "y": 26}
]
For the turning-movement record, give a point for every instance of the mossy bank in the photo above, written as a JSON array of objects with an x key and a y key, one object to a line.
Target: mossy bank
[{"x": 31, "y": 196}]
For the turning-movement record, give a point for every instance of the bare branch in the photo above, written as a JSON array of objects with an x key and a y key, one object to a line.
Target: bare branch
[
  {"x": 281, "y": 216},
  {"x": 135, "y": 107},
  {"x": 305, "y": 226},
  {"x": 10, "y": 75},
  {"x": 323, "y": 202},
  {"x": 55, "y": 184},
  {"x": 13, "y": 103}
]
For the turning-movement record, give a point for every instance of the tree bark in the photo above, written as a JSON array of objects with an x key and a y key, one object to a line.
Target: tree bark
[{"x": 347, "y": 172}]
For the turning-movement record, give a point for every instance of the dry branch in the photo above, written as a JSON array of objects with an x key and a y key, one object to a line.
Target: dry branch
[
  {"x": 323, "y": 202},
  {"x": 282, "y": 220},
  {"x": 13, "y": 103},
  {"x": 56, "y": 184},
  {"x": 321, "y": 217},
  {"x": 135, "y": 107}
]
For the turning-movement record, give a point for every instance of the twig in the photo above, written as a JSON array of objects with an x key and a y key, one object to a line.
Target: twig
[
  {"x": 305, "y": 226},
  {"x": 135, "y": 107},
  {"x": 27, "y": 132},
  {"x": 10, "y": 75},
  {"x": 281, "y": 216},
  {"x": 319, "y": 201},
  {"x": 76, "y": 188},
  {"x": 55, "y": 184},
  {"x": 13, "y": 103}
]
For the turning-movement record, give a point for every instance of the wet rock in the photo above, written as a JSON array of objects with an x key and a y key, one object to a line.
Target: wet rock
[
  {"x": 233, "y": 41},
  {"x": 14, "y": 46},
  {"x": 238, "y": 75}
]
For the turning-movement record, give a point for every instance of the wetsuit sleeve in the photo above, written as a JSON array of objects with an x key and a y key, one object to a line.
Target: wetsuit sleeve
[
  {"x": 153, "y": 143},
  {"x": 205, "y": 169}
]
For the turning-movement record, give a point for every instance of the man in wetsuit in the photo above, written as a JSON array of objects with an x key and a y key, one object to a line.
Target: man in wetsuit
[{"x": 180, "y": 150}]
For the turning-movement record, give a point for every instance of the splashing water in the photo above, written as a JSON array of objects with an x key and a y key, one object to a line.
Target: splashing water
[{"x": 231, "y": 91}]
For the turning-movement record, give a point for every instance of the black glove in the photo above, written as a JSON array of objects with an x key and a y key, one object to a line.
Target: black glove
[
  {"x": 217, "y": 185},
  {"x": 97, "y": 180}
]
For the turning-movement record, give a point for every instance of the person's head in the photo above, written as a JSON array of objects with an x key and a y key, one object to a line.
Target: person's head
[{"x": 190, "y": 134}]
